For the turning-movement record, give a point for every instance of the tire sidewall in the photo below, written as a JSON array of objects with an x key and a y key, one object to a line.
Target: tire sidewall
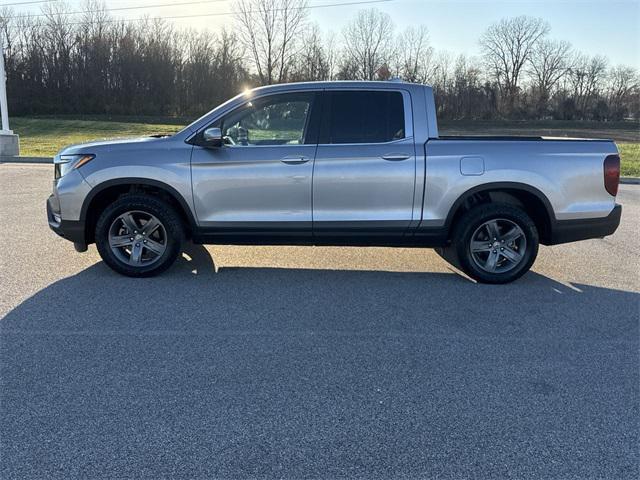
[
  {"x": 476, "y": 217},
  {"x": 163, "y": 212}
]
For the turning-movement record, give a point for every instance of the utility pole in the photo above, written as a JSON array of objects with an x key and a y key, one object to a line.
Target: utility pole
[{"x": 9, "y": 142}]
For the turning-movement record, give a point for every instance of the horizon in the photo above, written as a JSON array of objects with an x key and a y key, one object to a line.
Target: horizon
[{"x": 570, "y": 20}]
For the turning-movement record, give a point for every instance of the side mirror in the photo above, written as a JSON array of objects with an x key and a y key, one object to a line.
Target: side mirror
[{"x": 212, "y": 137}]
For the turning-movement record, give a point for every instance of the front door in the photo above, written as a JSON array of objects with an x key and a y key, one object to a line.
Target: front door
[
  {"x": 259, "y": 181},
  {"x": 365, "y": 167}
]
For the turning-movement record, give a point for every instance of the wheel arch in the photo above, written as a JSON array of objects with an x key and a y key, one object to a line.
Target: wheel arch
[
  {"x": 106, "y": 192},
  {"x": 530, "y": 199}
]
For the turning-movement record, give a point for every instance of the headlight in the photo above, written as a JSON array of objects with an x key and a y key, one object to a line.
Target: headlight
[{"x": 65, "y": 163}]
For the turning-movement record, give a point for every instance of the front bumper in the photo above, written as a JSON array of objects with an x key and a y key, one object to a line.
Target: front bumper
[
  {"x": 565, "y": 231},
  {"x": 71, "y": 230}
]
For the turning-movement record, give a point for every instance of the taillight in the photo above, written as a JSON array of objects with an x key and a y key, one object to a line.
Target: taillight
[{"x": 612, "y": 174}]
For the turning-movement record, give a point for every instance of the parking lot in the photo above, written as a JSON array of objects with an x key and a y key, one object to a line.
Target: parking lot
[{"x": 296, "y": 362}]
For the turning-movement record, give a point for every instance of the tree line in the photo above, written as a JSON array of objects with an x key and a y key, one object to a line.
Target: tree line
[{"x": 89, "y": 62}]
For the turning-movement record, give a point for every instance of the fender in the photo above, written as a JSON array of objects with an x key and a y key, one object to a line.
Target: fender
[
  {"x": 138, "y": 181},
  {"x": 501, "y": 186}
]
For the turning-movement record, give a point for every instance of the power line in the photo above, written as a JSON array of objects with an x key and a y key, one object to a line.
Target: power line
[
  {"x": 30, "y": 2},
  {"x": 217, "y": 14},
  {"x": 139, "y": 7}
]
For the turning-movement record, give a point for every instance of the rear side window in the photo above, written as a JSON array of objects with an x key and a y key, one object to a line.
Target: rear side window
[{"x": 363, "y": 117}]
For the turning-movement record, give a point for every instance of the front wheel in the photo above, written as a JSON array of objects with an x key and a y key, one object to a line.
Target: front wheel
[
  {"x": 495, "y": 243},
  {"x": 139, "y": 235}
]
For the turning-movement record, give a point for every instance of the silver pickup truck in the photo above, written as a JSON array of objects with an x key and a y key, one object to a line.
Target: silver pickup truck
[{"x": 334, "y": 163}]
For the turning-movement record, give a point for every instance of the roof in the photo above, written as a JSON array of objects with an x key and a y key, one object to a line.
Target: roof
[{"x": 337, "y": 84}]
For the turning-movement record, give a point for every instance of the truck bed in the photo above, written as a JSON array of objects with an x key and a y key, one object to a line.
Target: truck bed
[{"x": 567, "y": 172}]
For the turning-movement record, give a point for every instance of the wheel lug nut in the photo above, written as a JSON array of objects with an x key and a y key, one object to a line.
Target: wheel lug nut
[
  {"x": 495, "y": 251},
  {"x": 137, "y": 244},
  {"x": 146, "y": 242},
  {"x": 131, "y": 238},
  {"x": 502, "y": 249}
]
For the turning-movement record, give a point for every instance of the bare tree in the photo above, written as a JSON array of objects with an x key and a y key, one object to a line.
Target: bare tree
[
  {"x": 368, "y": 44},
  {"x": 441, "y": 73},
  {"x": 7, "y": 37},
  {"x": 415, "y": 55},
  {"x": 230, "y": 70},
  {"x": 312, "y": 62},
  {"x": 624, "y": 91},
  {"x": 267, "y": 30},
  {"x": 57, "y": 43},
  {"x": 507, "y": 47},
  {"x": 586, "y": 79},
  {"x": 440, "y": 79},
  {"x": 548, "y": 63},
  {"x": 332, "y": 55},
  {"x": 468, "y": 98}
]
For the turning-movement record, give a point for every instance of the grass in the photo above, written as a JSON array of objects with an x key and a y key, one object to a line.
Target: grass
[
  {"x": 630, "y": 159},
  {"x": 44, "y": 136}
]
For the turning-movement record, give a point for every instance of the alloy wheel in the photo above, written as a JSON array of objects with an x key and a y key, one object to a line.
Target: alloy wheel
[
  {"x": 137, "y": 238},
  {"x": 498, "y": 245}
]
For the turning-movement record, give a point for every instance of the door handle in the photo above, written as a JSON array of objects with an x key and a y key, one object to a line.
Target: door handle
[
  {"x": 395, "y": 157},
  {"x": 294, "y": 160}
]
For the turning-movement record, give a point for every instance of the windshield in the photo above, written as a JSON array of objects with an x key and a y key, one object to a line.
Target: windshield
[{"x": 221, "y": 106}]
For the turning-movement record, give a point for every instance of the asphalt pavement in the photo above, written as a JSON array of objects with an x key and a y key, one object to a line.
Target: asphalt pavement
[{"x": 309, "y": 362}]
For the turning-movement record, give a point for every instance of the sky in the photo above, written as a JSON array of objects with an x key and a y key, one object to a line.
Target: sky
[{"x": 595, "y": 27}]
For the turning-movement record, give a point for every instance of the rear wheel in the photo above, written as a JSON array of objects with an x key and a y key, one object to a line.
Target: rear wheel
[
  {"x": 494, "y": 243},
  {"x": 139, "y": 235}
]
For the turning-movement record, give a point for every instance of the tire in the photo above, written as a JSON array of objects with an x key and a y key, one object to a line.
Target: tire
[
  {"x": 502, "y": 260},
  {"x": 136, "y": 254}
]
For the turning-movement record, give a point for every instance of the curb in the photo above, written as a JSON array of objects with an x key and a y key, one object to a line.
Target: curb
[
  {"x": 630, "y": 180},
  {"x": 4, "y": 159}
]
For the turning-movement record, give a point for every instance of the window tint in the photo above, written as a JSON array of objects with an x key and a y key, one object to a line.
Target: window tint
[
  {"x": 365, "y": 117},
  {"x": 275, "y": 120}
]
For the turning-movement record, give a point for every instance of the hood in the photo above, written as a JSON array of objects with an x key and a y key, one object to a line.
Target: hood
[{"x": 113, "y": 144}]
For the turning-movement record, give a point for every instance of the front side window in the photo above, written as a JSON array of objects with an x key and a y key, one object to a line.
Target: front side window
[
  {"x": 275, "y": 120},
  {"x": 365, "y": 117}
]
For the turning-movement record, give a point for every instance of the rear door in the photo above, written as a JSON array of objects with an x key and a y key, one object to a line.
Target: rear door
[{"x": 365, "y": 166}]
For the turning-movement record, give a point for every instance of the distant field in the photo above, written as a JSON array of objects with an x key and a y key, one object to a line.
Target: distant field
[
  {"x": 44, "y": 136},
  {"x": 622, "y": 132}
]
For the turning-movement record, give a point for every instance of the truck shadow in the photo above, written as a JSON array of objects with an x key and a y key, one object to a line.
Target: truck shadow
[
  {"x": 241, "y": 371},
  {"x": 195, "y": 294}
]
